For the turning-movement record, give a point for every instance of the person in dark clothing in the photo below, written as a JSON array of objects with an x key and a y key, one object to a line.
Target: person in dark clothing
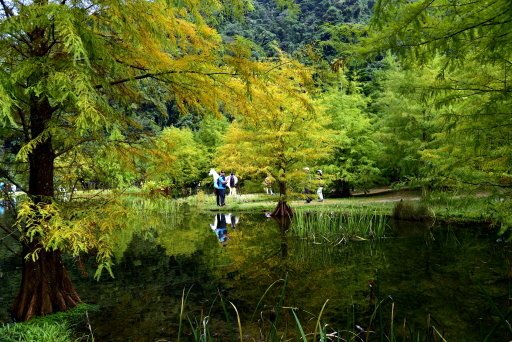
[{"x": 221, "y": 189}]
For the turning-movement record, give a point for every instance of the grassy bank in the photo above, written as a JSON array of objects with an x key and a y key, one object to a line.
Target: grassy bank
[
  {"x": 407, "y": 205},
  {"x": 69, "y": 326},
  {"x": 262, "y": 203}
]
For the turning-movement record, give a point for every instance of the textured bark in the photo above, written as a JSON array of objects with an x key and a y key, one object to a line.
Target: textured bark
[
  {"x": 45, "y": 286},
  {"x": 282, "y": 210}
]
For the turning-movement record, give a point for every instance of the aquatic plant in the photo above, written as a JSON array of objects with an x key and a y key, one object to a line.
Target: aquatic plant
[
  {"x": 336, "y": 227},
  {"x": 162, "y": 205}
]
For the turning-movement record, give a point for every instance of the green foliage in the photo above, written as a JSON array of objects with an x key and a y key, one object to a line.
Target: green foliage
[
  {"x": 356, "y": 150},
  {"x": 294, "y": 26},
  {"x": 51, "y": 328},
  {"x": 404, "y": 120},
  {"x": 57, "y": 332},
  {"x": 210, "y": 133},
  {"x": 176, "y": 158},
  {"x": 74, "y": 228},
  {"x": 453, "y": 79},
  {"x": 458, "y": 31},
  {"x": 414, "y": 211},
  {"x": 465, "y": 88}
]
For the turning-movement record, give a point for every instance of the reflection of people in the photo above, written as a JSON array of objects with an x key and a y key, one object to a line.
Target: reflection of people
[
  {"x": 319, "y": 190},
  {"x": 219, "y": 226},
  {"x": 221, "y": 189},
  {"x": 222, "y": 230}
]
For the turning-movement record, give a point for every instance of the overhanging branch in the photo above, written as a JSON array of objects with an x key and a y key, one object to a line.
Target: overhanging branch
[{"x": 162, "y": 73}]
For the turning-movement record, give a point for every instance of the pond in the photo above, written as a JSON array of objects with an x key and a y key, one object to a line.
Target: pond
[{"x": 454, "y": 279}]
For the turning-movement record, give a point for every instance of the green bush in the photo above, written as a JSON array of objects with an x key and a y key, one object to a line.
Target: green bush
[{"x": 413, "y": 211}]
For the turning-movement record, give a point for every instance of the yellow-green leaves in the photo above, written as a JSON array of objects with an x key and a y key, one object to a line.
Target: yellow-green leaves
[
  {"x": 78, "y": 229},
  {"x": 175, "y": 158},
  {"x": 280, "y": 130}
]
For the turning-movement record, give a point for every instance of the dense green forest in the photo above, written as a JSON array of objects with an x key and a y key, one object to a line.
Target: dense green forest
[
  {"x": 292, "y": 27},
  {"x": 148, "y": 96}
]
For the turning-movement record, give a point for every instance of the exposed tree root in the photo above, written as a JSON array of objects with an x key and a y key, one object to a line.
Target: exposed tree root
[
  {"x": 282, "y": 210},
  {"x": 45, "y": 287}
]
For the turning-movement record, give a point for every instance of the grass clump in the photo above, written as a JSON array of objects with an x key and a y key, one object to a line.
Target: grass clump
[
  {"x": 336, "y": 227},
  {"x": 57, "y": 327},
  {"x": 45, "y": 332}
]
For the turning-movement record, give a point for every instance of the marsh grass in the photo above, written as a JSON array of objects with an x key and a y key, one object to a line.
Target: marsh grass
[
  {"x": 58, "y": 327},
  {"x": 45, "y": 332},
  {"x": 162, "y": 205},
  {"x": 289, "y": 323},
  {"x": 470, "y": 207},
  {"x": 336, "y": 227}
]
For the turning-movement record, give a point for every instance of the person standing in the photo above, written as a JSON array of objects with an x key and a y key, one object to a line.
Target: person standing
[
  {"x": 233, "y": 180},
  {"x": 319, "y": 190},
  {"x": 267, "y": 185},
  {"x": 221, "y": 189}
]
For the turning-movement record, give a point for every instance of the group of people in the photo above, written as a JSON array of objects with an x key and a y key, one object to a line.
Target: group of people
[
  {"x": 221, "y": 183},
  {"x": 220, "y": 228}
]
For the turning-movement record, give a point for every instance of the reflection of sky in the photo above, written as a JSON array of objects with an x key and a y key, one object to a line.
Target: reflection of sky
[{"x": 2, "y": 209}]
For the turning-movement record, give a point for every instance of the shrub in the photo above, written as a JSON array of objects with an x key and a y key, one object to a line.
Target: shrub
[{"x": 412, "y": 211}]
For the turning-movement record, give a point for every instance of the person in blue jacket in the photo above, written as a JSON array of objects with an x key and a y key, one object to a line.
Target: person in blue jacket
[{"x": 220, "y": 185}]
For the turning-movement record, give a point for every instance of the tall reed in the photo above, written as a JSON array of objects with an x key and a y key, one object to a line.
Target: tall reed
[
  {"x": 336, "y": 227},
  {"x": 273, "y": 325}
]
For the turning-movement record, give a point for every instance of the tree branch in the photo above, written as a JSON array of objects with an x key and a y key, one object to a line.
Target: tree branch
[
  {"x": 10, "y": 233},
  {"x": 162, "y": 73},
  {"x": 8, "y": 11}
]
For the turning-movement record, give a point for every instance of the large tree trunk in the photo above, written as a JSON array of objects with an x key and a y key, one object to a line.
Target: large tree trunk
[
  {"x": 45, "y": 284},
  {"x": 282, "y": 209}
]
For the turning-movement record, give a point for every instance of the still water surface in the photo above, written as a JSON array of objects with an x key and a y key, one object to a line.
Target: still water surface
[{"x": 456, "y": 277}]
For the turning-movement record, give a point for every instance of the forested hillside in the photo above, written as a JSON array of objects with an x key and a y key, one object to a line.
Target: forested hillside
[{"x": 292, "y": 26}]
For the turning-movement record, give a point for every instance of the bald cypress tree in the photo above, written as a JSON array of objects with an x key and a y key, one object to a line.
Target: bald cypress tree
[{"x": 70, "y": 69}]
